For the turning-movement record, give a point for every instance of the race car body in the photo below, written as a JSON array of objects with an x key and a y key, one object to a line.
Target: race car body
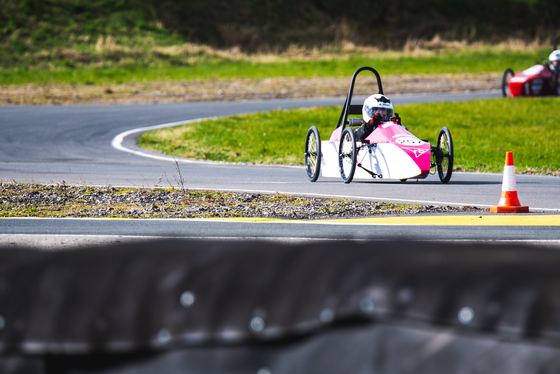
[
  {"x": 390, "y": 152},
  {"x": 538, "y": 80}
]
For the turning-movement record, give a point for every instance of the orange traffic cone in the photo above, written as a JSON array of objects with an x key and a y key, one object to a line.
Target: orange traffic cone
[{"x": 509, "y": 202}]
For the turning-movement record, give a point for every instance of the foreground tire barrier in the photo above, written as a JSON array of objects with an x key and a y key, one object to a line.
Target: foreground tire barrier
[{"x": 262, "y": 307}]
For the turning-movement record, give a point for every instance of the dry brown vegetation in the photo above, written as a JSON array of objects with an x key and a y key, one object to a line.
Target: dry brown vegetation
[{"x": 237, "y": 89}]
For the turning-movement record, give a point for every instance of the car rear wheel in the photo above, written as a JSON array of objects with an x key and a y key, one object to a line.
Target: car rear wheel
[
  {"x": 347, "y": 155},
  {"x": 508, "y": 74},
  {"x": 313, "y": 153},
  {"x": 444, "y": 155}
]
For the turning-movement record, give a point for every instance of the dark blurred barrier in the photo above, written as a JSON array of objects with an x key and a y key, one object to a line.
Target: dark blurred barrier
[{"x": 264, "y": 308}]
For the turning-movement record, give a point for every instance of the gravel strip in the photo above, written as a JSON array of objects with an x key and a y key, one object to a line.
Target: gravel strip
[{"x": 61, "y": 200}]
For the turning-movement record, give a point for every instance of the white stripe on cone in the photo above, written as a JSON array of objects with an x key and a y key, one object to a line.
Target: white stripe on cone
[{"x": 508, "y": 183}]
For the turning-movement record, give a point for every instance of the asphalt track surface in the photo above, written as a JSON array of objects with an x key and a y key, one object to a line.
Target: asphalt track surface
[{"x": 95, "y": 145}]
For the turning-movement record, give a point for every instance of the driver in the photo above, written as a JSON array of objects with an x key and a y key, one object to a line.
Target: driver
[
  {"x": 554, "y": 59},
  {"x": 376, "y": 110}
]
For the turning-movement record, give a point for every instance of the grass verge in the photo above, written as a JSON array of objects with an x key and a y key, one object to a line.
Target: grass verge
[{"x": 482, "y": 131}]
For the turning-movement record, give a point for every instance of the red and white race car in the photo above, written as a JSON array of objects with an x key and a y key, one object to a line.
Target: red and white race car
[
  {"x": 390, "y": 152},
  {"x": 538, "y": 80}
]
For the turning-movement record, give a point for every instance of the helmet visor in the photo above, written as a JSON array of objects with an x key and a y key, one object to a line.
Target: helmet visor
[{"x": 386, "y": 113}]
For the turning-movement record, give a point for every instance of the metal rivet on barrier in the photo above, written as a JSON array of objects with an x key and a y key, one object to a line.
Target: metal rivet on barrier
[
  {"x": 163, "y": 336},
  {"x": 256, "y": 324},
  {"x": 367, "y": 305},
  {"x": 264, "y": 370},
  {"x": 326, "y": 315},
  {"x": 187, "y": 299},
  {"x": 465, "y": 315}
]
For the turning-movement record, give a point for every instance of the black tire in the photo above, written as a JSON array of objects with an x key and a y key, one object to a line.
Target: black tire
[
  {"x": 313, "y": 153},
  {"x": 508, "y": 74},
  {"x": 556, "y": 82},
  {"x": 347, "y": 155},
  {"x": 444, "y": 155}
]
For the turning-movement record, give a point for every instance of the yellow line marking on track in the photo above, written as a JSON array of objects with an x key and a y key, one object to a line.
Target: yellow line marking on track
[
  {"x": 246, "y": 219},
  {"x": 470, "y": 220}
]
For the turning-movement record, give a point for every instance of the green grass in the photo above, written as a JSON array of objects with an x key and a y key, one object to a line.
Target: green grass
[
  {"x": 482, "y": 131},
  {"x": 125, "y": 68},
  {"x": 267, "y": 138}
]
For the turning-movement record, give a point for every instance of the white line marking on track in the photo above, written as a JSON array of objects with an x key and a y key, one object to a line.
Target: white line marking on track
[
  {"x": 54, "y": 242},
  {"x": 118, "y": 140}
]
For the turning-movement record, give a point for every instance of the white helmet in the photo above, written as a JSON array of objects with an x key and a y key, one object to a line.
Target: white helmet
[
  {"x": 377, "y": 104},
  {"x": 554, "y": 59}
]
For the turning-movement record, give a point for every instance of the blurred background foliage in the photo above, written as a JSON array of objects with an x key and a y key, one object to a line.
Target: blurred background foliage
[
  {"x": 253, "y": 25},
  {"x": 48, "y": 34}
]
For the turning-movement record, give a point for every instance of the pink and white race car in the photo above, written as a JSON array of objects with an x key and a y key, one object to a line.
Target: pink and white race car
[
  {"x": 390, "y": 152},
  {"x": 538, "y": 80}
]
